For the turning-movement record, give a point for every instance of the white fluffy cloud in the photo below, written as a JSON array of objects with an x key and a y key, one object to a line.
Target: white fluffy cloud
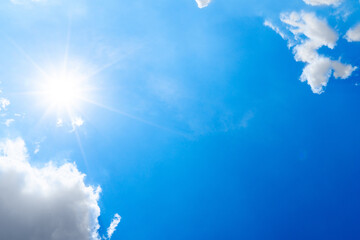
[
  {"x": 76, "y": 122},
  {"x": 308, "y": 24},
  {"x": 317, "y": 34},
  {"x": 44, "y": 203},
  {"x": 341, "y": 70},
  {"x": 203, "y": 3},
  {"x": 323, "y": 2},
  {"x": 4, "y": 103},
  {"x": 353, "y": 34}
]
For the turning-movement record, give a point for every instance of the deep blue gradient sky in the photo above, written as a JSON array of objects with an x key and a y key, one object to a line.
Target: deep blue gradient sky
[{"x": 203, "y": 129}]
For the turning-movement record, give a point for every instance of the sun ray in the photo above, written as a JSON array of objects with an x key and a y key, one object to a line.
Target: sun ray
[
  {"x": 78, "y": 140},
  {"x": 44, "y": 116},
  {"x": 67, "y": 46},
  {"x": 125, "y": 114},
  {"x": 103, "y": 68},
  {"x": 27, "y": 56},
  {"x": 82, "y": 151}
]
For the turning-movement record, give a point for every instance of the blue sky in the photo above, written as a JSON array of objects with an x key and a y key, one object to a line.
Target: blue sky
[{"x": 197, "y": 119}]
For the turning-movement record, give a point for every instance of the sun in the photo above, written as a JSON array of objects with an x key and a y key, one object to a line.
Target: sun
[{"x": 63, "y": 91}]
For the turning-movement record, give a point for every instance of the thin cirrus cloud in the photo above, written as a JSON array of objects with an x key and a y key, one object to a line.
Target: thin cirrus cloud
[
  {"x": 26, "y": 1},
  {"x": 310, "y": 33},
  {"x": 353, "y": 34},
  {"x": 269, "y": 24},
  {"x": 9, "y": 121},
  {"x": 47, "y": 203},
  {"x": 203, "y": 3},
  {"x": 323, "y": 2},
  {"x": 59, "y": 122}
]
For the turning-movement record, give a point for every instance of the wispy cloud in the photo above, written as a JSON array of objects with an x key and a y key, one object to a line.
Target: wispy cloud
[
  {"x": 37, "y": 148},
  {"x": 9, "y": 121},
  {"x": 269, "y": 24},
  {"x": 27, "y": 1},
  {"x": 19, "y": 115},
  {"x": 203, "y": 3},
  {"x": 246, "y": 119},
  {"x": 59, "y": 122},
  {"x": 114, "y": 223},
  {"x": 323, "y": 2}
]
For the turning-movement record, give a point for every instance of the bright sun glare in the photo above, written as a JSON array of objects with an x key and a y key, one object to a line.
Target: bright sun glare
[{"x": 62, "y": 91}]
